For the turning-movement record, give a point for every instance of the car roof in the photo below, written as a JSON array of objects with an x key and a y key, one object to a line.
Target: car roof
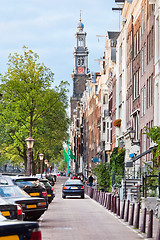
[
  {"x": 25, "y": 178},
  {"x": 6, "y": 180},
  {"x": 75, "y": 181}
]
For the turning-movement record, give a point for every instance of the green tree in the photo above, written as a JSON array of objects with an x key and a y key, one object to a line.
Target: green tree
[
  {"x": 117, "y": 165},
  {"x": 102, "y": 172},
  {"x": 29, "y": 106}
]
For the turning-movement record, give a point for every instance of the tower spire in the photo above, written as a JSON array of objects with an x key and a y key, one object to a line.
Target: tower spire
[{"x": 80, "y": 16}]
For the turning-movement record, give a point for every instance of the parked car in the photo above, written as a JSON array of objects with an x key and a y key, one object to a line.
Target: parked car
[
  {"x": 32, "y": 207},
  {"x": 10, "y": 210},
  {"x": 73, "y": 188},
  {"x": 32, "y": 186},
  {"x": 50, "y": 179},
  {"x": 15, "y": 230},
  {"x": 49, "y": 188}
]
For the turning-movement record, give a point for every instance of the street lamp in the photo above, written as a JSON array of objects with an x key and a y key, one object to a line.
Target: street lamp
[
  {"x": 132, "y": 136},
  {"x": 41, "y": 161},
  {"x": 30, "y": 142},
  {"x": 46, "y": 162}
]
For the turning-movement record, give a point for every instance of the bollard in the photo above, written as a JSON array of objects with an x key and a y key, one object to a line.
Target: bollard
[
  {"x": 127, "y": 212},
  {"x": 143, "y": 225},
  {"x": 115, "y": 204},
  {"x": 150, "y": 224},
  {"x": 118, "y": 207},
  {"x": 97, "y": 196},
  {"x": 112, "y": 203},
  {"x": 136, "y": 225},
  {"x": 123, "y": 208},
  {"x": 109, "y": 202},
  {"x": 100, "y": 197},
  {"x": 132, "y": 215},
  {"x": 105, "y": 200},
  {"x": 91, "y": 195}
]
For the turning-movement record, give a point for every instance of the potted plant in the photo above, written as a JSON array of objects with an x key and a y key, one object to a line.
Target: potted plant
[{"x": 117, "y": 122}]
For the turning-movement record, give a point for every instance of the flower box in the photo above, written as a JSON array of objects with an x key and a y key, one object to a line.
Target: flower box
[{"x": 117, "y": 123}]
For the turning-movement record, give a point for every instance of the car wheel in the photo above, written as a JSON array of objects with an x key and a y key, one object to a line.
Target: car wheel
[
  {"x": 63, "y": 196},
  {"x": 82, "y": 196}
]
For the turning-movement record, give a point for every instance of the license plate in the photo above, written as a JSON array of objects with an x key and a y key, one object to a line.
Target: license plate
[
  {"x": 31, "y": 206},
  {"x": 34, "y": 194},
  {"x": 5, "y": 213},
  {"x": 13, "y": 237},
  {"x": 74, "y": 187},
  {"x": 49, "y": 195}
]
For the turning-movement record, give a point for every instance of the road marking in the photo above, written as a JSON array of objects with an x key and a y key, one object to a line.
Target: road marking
[{"x": 63, "y": 228}]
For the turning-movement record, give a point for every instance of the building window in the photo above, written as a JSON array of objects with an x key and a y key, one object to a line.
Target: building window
[
  {"x": 145, "y": 57},
  {"x": 108, "y": 130},
  {"x": 105, "y": 99},
  {"x": 104, "y": 127},
  {"x": 142, "y": 100},
  {"x": 142, "y": 61}
]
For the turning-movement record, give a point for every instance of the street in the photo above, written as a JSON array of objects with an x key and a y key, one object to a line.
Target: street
[{"x": 76, "y": 218}]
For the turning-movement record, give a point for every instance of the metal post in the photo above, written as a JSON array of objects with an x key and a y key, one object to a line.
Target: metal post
[
  {"x": 143, "y": 225},
  {"x": 123, "y": 208},
  {"x": 137, "y": 216},
  {"x": 125, "y": 189},
  {"x": 145, "y": 184},
  {"x": 150, "y": 225},
  {"x": 132, "y": 215},
  {"x": 41, "y": 168},
  {"x": 118, "y": 207},
  {"x": 127, "y": 212},
  {"x": 29, "y": 161}
]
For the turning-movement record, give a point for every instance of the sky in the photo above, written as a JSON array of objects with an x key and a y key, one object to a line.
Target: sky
[{"x": 47, "y": 27}]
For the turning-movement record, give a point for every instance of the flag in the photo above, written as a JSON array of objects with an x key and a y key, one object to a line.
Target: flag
[
  {"x": 71, "y": 155},
  {"x": 66, "y": 156}
]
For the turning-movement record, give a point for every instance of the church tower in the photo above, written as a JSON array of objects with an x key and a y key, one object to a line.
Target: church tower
[{"x": 81, "y": 71}]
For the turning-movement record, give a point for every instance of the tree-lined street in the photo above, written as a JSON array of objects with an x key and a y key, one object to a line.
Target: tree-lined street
[{"x": 76, "y": 218}]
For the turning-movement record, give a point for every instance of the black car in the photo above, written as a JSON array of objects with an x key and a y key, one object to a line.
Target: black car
[
  {"x": 32, "y": 207},
  {"x": 18, "y": 230},
  {"x": 10, "y": 210},
  {"x": 73, "y": 188},
  {"x": 51, "y": 179},
  {"x": 32, "y": 186},
  {"x": 49, "y": 188}
]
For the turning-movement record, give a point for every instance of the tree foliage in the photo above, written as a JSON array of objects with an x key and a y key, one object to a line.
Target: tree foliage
[
  {"x": 110, "y": 174},
  {"x": 102, "y": 172},
  {"x": 29, "y": 106}
]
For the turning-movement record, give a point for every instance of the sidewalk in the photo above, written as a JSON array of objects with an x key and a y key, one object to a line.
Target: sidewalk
[{"x": 102, "y": 202}]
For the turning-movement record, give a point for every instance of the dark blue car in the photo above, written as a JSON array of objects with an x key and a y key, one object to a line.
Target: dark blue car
[{"x": 73, "y": 188}]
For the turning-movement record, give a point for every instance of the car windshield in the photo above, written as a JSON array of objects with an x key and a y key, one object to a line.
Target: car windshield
[
  {"x": 27, "y": 182},
  {"x": 73, "y": 182},
  {"x": 12, "y": 191}
]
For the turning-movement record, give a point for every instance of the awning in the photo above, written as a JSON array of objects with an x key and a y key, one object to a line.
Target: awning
[{"x": 143, "y": 154}]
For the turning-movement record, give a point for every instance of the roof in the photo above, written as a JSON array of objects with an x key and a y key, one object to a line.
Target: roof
[{"x": 113, "y": 35}]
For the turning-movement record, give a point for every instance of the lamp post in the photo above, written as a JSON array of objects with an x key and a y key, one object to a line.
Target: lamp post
[
  {"x": 46, "y": 162},
  {"x": 132, "y": 134},
  {"x": 30, "y": 142},
  {"x": 41, "y": 161}
]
